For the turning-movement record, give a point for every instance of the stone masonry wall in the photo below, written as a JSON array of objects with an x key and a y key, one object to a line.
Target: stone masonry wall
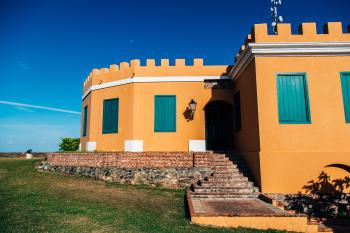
[
  {"x": 167, "y": 169},
  {"x": 165, "y": 177}
]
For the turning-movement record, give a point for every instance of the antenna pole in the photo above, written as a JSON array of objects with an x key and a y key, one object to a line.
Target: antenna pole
[{"x": 274, "y": 12}]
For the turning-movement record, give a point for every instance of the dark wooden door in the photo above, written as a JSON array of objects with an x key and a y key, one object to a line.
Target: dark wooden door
[{"x": 219, "y": 126}]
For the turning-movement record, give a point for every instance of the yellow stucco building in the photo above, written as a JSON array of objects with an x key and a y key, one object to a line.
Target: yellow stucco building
[{"x": 284, "y": 105}]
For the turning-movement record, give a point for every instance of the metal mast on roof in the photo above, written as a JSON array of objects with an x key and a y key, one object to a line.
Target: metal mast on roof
[{"x": 275, "y": 17}]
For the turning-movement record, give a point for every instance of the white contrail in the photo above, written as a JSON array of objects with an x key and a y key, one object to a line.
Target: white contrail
[{"x": 40, "y": 107}]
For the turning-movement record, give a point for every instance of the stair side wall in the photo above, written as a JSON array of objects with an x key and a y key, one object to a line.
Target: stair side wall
[{"x": 247, "y": 141}]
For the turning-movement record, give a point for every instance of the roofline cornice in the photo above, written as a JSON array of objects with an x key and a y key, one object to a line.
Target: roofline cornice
[{"x": 288, "y": 49}]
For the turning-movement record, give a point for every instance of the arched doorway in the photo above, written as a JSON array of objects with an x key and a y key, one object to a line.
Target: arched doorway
[{"x": 219, "y": 125}]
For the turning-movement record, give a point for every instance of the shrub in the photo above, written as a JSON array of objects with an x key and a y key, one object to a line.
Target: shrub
[{"x": 69, "y": 144}]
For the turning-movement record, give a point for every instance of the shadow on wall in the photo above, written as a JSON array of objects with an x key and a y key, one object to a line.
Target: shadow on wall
[{"x": 323, "y": 197}]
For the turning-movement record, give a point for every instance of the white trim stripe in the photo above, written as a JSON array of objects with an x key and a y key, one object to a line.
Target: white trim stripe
[
  {"x": 152, "y": 80},
  {"x": 301, "y": 48}
]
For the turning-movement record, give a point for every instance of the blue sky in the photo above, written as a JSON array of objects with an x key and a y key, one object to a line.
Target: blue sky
[{"x": 47, "y": 48}]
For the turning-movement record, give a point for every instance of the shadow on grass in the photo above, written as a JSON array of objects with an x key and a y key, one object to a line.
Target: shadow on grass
[{"x": 186, "y": 208}]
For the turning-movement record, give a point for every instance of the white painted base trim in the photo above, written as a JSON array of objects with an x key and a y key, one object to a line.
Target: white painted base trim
[
  {"x": 90, "y": 146},
  {"x": 196, "y": 145},
  {"x": 133, "y": 145},
  {"x": 79, "y": 146}
]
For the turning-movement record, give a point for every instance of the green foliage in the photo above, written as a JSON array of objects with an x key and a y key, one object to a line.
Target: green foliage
[{"x": 69, "y": 144}]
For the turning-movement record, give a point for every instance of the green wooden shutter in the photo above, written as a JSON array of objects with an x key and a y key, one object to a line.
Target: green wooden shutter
[
  {"x": 165, "y": 113},
  {"x": 293, "y": 100},
  {"x": 85, "y": 120},
  {"x": 110, "y": 116},
  {"x": 345, "y": 84}
]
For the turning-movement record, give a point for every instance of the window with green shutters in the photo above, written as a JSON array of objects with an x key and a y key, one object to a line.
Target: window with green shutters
[
  {"x": 165, "y": 113},
  {"x": 345, "y": 84},
  {"x": 293, "y": 99},
  {"x": 110, "y": 116},
  {"x": 85, "y": 120}
]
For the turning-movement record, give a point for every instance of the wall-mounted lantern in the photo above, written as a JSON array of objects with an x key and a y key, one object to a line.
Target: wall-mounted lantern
[{"x": 192, "y": 107}]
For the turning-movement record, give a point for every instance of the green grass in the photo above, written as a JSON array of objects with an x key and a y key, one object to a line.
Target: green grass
[{"x": 32, "y": 201}]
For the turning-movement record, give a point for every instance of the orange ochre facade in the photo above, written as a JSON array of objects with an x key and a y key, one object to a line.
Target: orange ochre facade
[{"x": 236, "y": 106}]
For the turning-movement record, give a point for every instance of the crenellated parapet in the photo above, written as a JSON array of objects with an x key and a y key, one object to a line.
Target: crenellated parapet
[
  {"x": 134, "y": 68},
  {"x": 332, "y": 32}
]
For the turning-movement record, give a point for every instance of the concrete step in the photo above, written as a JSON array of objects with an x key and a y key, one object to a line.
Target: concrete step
[
  {"x": 227, "y": 175},
  {"x": 216, "y": 156},
  {"x": 241, "y": 166},
  {"x": 238, "y": 184},
  {"x": 238, "y": 161},
  {"x": 213, "y": 158},
  {"x": 224, "y": 170},
  {"x": 216, "y": 160},
  {"x": 245, "y": 172},
  {"x": 222, "y": 163},
  {"x": 322, "y": 228},
  {"x": 224, "y": 195},
  {"x": 232, "y": 179},
  {"x": 221, "y": 189}
]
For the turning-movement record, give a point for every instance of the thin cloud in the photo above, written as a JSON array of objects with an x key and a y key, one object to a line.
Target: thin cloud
[
  {"x": 24, "y": 109},
  {"x": 23, "y": 65},
  {"x": 39, "y": 107}
]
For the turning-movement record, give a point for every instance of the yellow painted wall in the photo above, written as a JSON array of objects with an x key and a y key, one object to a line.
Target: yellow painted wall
[
  {"x": 247, "y": 140},
  {"x": 136, "y": 105},
  {"x": 136, "y": 115},
  {"x": 293, "y": 154},
  {"x": 83, "y": 140},
  {"x": 114, "y": 141},
  {"x": 185, "y": 130}
]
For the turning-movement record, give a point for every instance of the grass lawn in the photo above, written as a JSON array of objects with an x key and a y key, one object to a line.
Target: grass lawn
[{"x": 32, "y": 201}]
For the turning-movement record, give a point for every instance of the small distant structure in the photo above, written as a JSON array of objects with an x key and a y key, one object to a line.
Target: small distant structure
[{"x": 29, "y": 154}]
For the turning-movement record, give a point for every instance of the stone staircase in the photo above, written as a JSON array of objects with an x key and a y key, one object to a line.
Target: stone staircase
[
  {"x": 227, "y": 179},
  {"x": 229, "y": 198}
]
